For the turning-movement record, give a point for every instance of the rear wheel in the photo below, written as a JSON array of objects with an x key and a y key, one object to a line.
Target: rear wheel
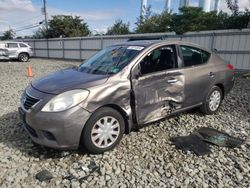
[
  {"x": 213, "y": 101},
  {"x": 23, "y": 57},
  {"x": 103, "y": 131}
]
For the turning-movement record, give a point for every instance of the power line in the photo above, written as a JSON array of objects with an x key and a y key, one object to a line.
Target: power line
[
  {"x": 28, "y": 25},
  {"x": 31, "y": 27},
  {"x": 37, "y": 24},
  {"x": 25, "y": 20},
  {"x": 18, "y": 23}
]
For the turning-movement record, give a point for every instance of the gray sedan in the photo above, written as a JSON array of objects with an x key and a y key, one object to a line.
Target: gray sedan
[{"x": 119, "y": 88}]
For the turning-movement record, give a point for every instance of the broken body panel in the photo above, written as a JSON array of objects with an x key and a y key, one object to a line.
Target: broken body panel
[{"x": 156, "y": 97}]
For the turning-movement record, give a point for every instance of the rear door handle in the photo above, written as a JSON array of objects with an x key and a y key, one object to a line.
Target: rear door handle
[
  {"x": 211, "y": 74},
  {"x": 172, "y": 80}
]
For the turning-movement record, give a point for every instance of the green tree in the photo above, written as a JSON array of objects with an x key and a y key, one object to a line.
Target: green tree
[
  {"x": 190, "y": 19},
  {"x": 194, "y": 19},
  {"x": 239, "y": 21},
  {"x": 7, "y": 35},
  {"x": 119, "y": 28},
  {"x": 155, "y": 23},
  {"x": 64, "y": 25},
  {"x": 41, "y": 33}
]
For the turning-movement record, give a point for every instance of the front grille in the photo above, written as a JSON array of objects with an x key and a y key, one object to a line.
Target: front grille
[{"x": 29, "y": 101}]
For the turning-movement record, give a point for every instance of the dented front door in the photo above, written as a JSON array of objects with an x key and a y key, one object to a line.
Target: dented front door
[{"x": 158, "y": 94}]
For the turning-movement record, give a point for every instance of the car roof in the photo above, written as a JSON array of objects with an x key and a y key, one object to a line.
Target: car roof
[
  {"x": 9, "y": 41},
  {"x": 147, "y": 43},
  {"x": 6, "y": 41},
  {"x": 144, "y": 43}
]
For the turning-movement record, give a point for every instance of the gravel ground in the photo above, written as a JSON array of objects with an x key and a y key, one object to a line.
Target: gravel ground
[{"x": 144, "y": 158}]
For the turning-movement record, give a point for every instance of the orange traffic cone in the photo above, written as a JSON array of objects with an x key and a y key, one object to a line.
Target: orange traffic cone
[{"x": 30, "y": 74}]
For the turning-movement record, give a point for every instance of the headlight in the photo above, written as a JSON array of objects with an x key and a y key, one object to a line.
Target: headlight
[{"x": 65, "y": 100}]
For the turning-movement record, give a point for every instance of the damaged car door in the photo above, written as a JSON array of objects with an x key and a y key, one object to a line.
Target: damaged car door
[
  {"x": 12, "y": 49},
  {"x": 158, "y": 85}
]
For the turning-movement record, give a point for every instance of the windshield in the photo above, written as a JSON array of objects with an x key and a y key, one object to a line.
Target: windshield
[{"x": 110, "y": 60}]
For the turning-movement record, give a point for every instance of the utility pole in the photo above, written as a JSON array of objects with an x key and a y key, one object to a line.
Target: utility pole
[
  {"x": 45, "y": 14},
  {"x": 143, "y": 8}
]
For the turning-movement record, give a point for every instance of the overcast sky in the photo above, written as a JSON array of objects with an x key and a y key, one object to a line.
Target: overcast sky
[{"x": 99, "y": 14}]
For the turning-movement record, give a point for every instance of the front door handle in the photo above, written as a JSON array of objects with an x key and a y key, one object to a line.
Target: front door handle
[{"x": 172, "y": 80}]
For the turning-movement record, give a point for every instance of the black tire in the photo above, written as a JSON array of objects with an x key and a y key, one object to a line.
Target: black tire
[
  {"x": 205, "y": 108},
  {"x": 23, "y": 57},
  {"x": 86, "y": 137}
]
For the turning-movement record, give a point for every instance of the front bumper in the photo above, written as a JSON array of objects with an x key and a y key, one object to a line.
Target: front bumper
[{"x": 59, "y": 130}]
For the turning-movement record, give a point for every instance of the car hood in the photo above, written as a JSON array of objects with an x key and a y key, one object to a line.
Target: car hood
[{"x": 66, "y": 80}]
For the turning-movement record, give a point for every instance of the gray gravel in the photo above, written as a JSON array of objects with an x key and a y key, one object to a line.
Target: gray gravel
[{"x": 144, "y": 158}]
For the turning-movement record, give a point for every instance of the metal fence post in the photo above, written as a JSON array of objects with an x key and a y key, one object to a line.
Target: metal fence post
[
  {"x": 34, "y": 47},
  {"x": 80, "y": 45},
  {"x": 101, "y": 42},
  {"x": 63, "y": 52},
  {"x": 47, "y": 41},
  {"x": 212, "y": 41}
]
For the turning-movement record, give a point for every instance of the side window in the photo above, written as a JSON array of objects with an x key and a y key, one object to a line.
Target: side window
[
  {"x": 191, "y": 56},
  {"x": 160, "y": 59},
  {"x": 205, "y": 56},
  {"x": 12, "y": 45},
  {"x": 22, "y": 45}
]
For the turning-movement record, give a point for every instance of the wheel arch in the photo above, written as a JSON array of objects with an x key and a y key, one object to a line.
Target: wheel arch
[
  {"x": 114, "y": 107},
  {"x": 221, "y": 86},
  {"x": 24, "y": 53},
  {"x": 124, "y": 114}
]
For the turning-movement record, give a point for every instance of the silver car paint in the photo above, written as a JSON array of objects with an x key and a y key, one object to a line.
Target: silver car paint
[{"x": 13, "y": 53}]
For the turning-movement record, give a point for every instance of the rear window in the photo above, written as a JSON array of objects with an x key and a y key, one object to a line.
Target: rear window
[
  {"x": 22, "y": 45},
  {"x": 205, "y": 56},
  {"x": 12, "y": 45},
  {"x": 194, "y": 56}
]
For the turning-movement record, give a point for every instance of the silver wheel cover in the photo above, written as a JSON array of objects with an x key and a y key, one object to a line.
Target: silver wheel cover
[
  {"x": 214, "y": 100},
  {"x": 24, "y": 58},
  {"x": 105, "y": 132}
]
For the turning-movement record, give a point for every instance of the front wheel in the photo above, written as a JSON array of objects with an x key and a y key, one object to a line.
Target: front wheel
[
  {"x": 213, "y": 101},
  {"x": 103, "y": 131}
]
